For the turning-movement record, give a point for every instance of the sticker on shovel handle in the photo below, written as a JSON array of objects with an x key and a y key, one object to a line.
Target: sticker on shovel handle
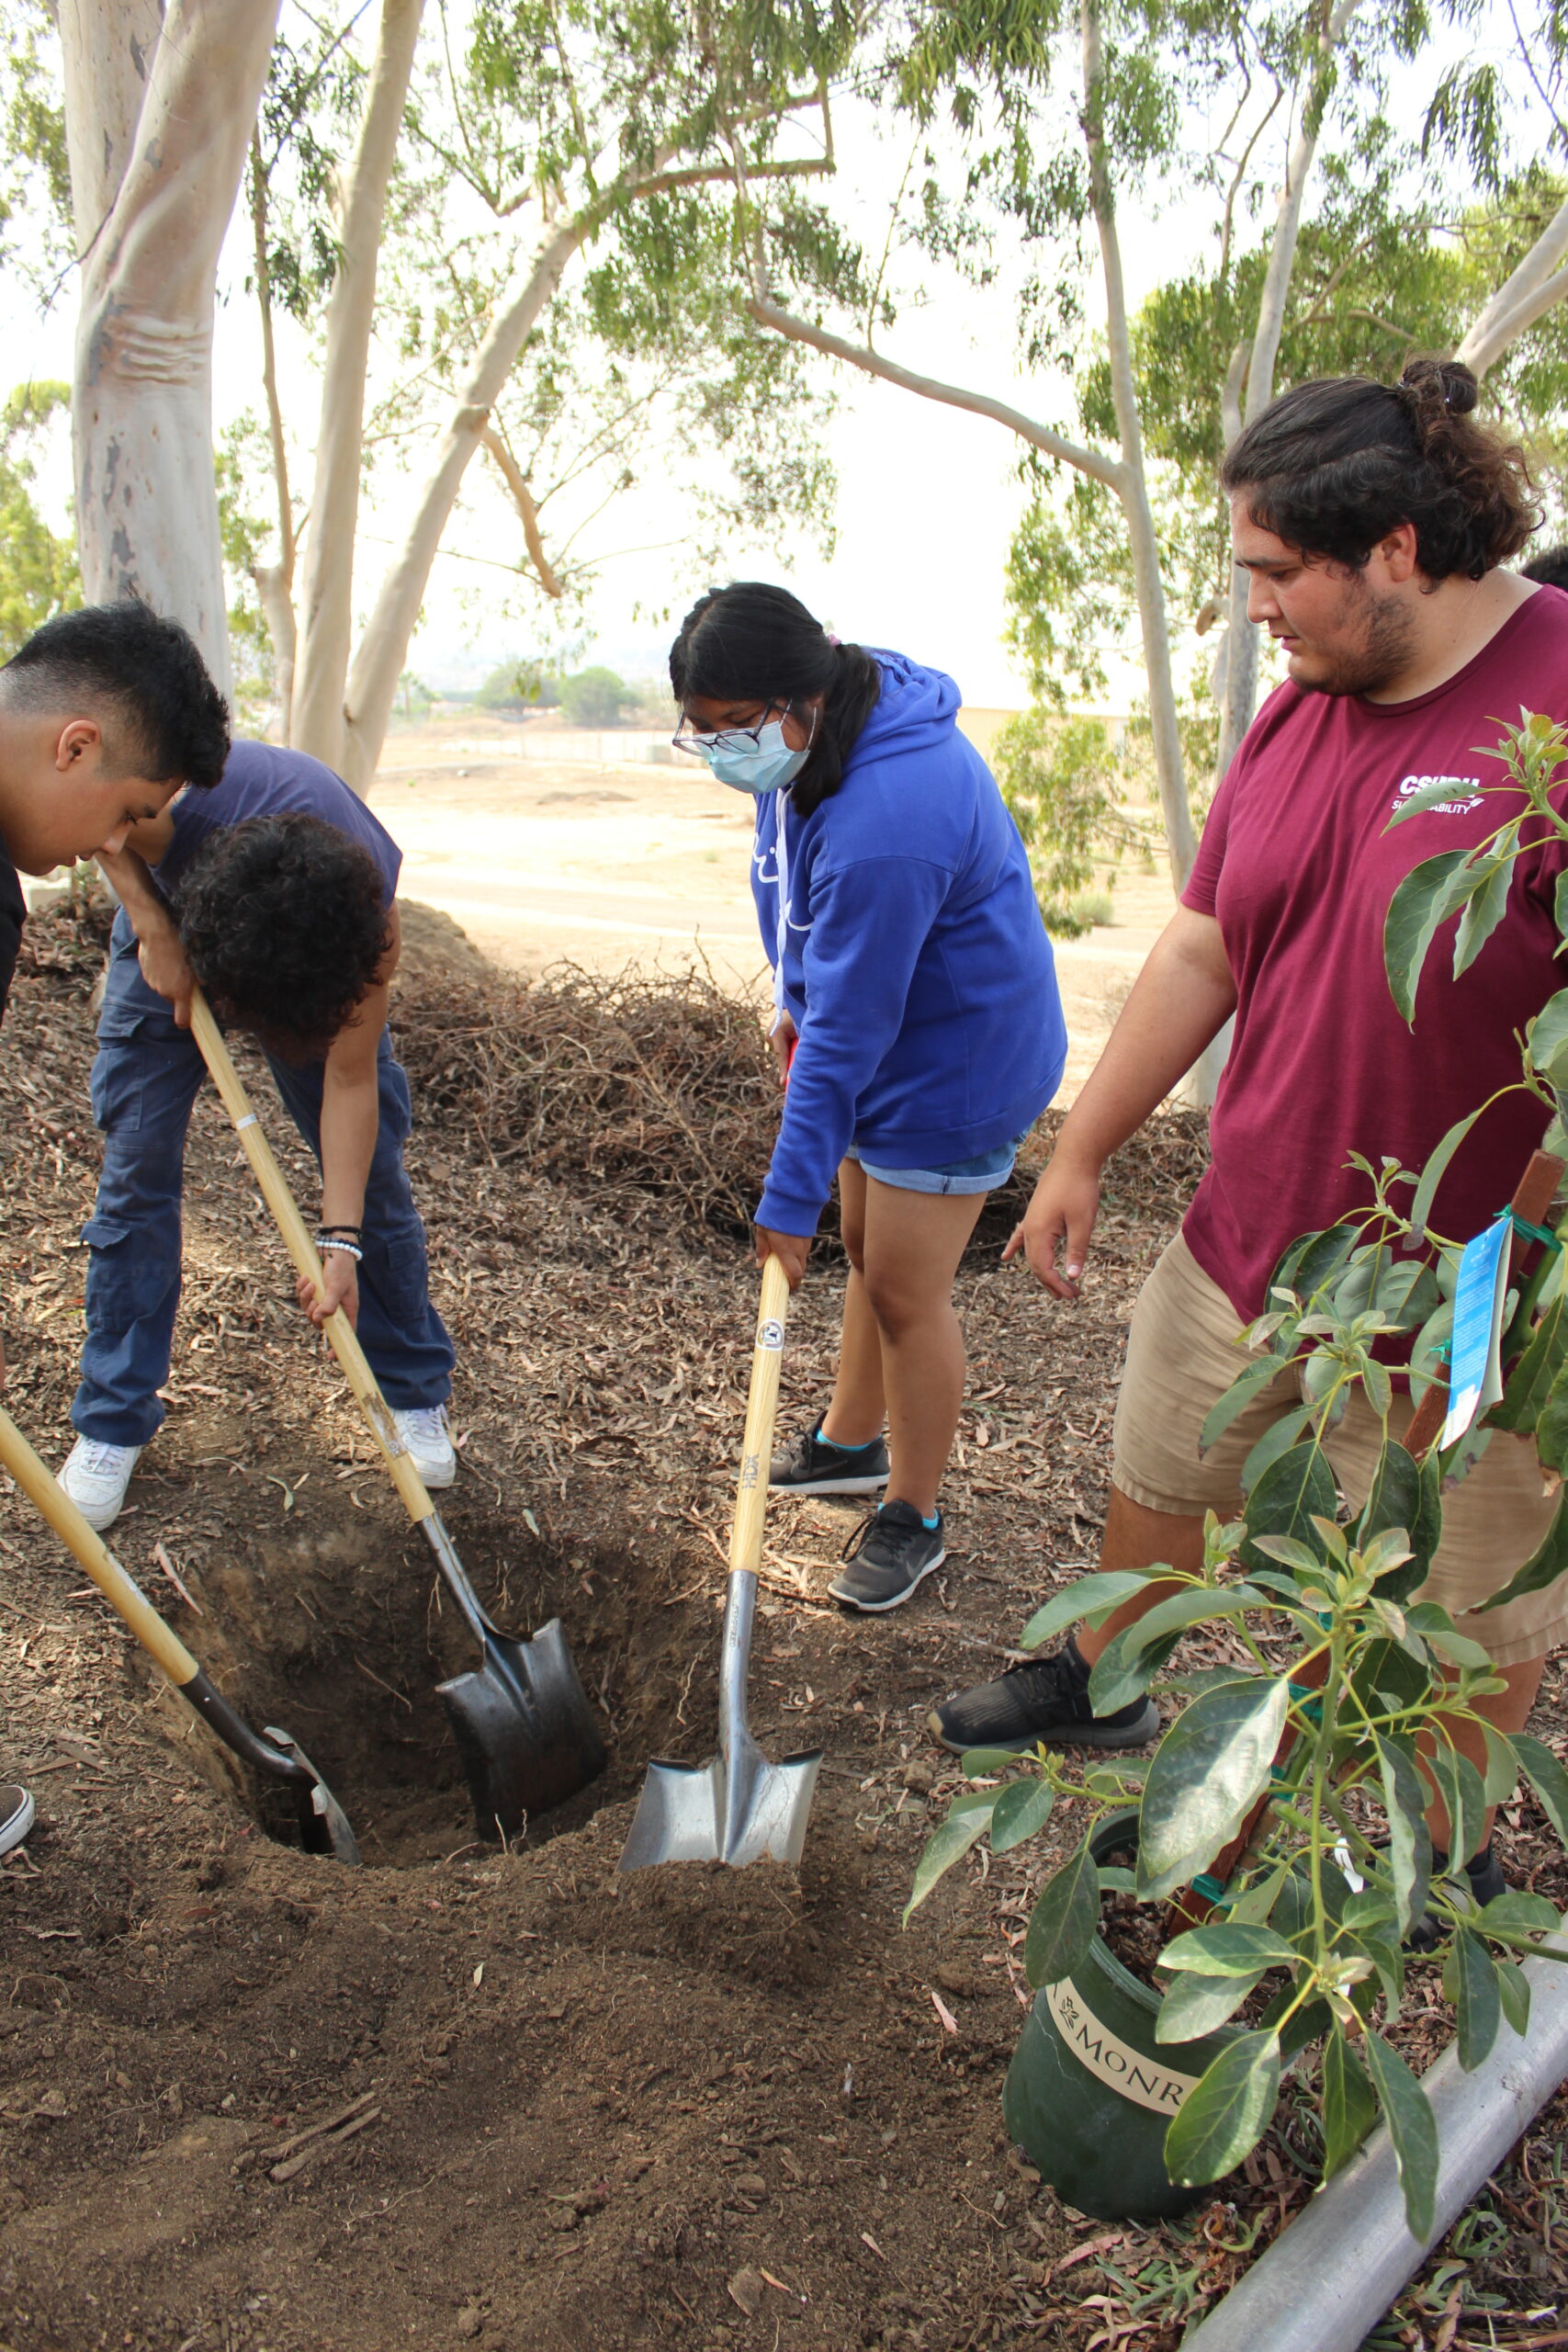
[{"x": 770, "y": 1335}]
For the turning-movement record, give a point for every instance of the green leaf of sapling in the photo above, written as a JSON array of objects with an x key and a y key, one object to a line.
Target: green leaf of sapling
[
  {"x": 1198, "y": 2004},
  {"x": 1226, "y": 2113},
  {"x": 948, "y": 1843},
  {"x": 1106, "y": 1589},
  {"x": 1227, "y": 1951},
  {"x": 1436, "y": 795},
  {"x": 1478, "y": 2005},
  {"x": 1350, "y": 2103},
  {"x": 1210, "y": 1767},
  {"x": 1547, "y": 1778},
  {"x": 1411, "y": 2127},
  {"x": 1063, "y": 1923},
  {"x": 1022, "y": 1811},
  {"x": 1421, "y": 903}
]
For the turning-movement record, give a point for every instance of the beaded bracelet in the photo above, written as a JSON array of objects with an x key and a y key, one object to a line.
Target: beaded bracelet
[{"x": 325, "y": 1241}]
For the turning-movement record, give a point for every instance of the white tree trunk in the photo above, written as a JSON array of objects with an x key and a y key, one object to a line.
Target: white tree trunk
[
  {"x": 1240, "y": 696},
  {"x": 1535, "y": 288},
  {"x": 383, "y": 647},
  {"x": 318, "y": 723},
  {"x": 1169, "y": 769},
  {"x": 106, "y": 49},
  {"x": 142, "y": 412}
]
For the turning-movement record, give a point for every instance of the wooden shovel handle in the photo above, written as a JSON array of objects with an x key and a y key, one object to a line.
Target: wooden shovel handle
[
  {"x": 761, "y": 1408},
  {"x": 127, "y": 1602},
  {"x": 302, "y": 1249}
]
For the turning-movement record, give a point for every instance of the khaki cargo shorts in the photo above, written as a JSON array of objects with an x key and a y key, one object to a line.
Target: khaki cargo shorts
[{"x": 1181, "y": 1355}]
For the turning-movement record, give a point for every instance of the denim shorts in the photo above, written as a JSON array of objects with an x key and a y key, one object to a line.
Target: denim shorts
[{"x": 981, "y": 1174}]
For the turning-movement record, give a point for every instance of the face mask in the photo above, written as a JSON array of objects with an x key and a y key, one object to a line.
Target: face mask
[{"x": 762, "y": 766}]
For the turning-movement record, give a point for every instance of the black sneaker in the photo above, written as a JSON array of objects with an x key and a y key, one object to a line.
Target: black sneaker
[
  {"x": 1484, "y": 1876},
  {"x": 1043, "y": 1700},
  {"x": 887, "y": 1556},
  {"x": 814, "y": 1465}
]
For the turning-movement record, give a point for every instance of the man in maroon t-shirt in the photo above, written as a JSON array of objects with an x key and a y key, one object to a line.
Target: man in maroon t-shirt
[{"x": 1373, "y": 522}]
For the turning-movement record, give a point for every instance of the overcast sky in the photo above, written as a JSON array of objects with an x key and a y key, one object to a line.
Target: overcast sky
[{"x": 927, "y": 500}]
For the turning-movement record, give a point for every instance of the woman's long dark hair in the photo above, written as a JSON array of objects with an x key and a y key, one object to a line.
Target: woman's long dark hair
[
  {"x": 1334, "y": 466},
  {"x": 752, "y": 642}
]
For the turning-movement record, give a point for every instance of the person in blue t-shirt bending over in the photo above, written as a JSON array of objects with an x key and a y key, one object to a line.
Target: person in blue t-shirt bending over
[
  {"x": 275, "y": 891},
  {"x": 917, "y": 1027}
]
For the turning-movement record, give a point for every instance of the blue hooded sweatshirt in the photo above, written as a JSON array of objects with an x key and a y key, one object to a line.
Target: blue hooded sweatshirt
[{"x": 915, "y": 967}]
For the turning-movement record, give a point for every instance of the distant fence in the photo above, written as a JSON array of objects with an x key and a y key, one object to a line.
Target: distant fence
[{"x": 608, "y": 747}]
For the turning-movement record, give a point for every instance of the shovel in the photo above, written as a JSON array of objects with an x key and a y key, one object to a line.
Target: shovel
[
  {"x": 739, "y": 1807},
  {"x": 322, "y": 1825},
  {"x": 522, "y": 1721}
]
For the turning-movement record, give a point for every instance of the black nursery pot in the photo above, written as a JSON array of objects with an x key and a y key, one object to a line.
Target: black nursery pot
[{"x": 1091, "y": 2093}]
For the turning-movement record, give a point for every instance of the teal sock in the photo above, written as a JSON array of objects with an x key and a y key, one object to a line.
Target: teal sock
[
  {"x": 930, "y": 1525},
  {"x": 864, "y": 1446}
]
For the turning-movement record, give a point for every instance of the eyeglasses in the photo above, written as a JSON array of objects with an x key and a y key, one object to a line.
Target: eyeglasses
[{"x": 687, "y": 738}]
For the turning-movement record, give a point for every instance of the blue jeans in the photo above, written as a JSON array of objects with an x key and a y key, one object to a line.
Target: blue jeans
[
  {"x": 984, "y": 1173},
  {"x": 146, "y": 1075}
]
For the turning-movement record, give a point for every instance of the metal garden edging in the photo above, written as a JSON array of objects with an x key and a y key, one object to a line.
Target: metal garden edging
[{"x": 1328, "y": 2279}]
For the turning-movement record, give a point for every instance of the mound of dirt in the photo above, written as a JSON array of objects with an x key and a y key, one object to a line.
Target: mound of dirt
[{"x": 434, "y": 948}]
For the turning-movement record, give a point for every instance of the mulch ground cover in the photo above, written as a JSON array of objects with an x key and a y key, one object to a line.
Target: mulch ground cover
[{"x": 250, "y": 2098}]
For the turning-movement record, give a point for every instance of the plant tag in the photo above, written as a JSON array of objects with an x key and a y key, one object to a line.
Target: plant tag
[{"x": 1476, "y": 1378}]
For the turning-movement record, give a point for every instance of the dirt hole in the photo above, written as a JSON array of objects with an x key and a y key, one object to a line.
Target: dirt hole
[{"x": 340, "y": 1631}]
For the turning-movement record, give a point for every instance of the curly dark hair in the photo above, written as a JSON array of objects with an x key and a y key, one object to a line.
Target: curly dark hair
[
  {"x": 165, "y": 719},
  {"x": 1549, "y": 568},
  {"x": 753, "y": 639},
  {"x": 1332, "y": 467},
  {"x": 283, "y": 923}
]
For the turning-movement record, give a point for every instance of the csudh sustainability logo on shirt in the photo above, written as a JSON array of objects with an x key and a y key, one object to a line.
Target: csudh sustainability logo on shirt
[{"x": 1468, "y": 787}]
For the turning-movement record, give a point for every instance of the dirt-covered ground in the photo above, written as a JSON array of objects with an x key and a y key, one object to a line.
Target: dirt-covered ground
[{"x": 252, "y": 2099}]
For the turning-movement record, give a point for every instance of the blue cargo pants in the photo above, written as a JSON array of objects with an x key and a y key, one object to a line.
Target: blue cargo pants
[{"x": 146, "y": 1075}]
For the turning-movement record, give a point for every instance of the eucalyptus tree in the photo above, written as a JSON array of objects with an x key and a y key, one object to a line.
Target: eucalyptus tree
[
  {"x": 1384, "y": 268},
  {"x": 158, "y": 108},
  {"x": 555, "y": 234},
  {"x": 1273, "y": 122},
  {"x": 1061, "y": 113}
]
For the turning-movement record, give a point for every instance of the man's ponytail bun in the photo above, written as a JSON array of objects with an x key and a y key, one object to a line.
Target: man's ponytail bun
[{"x": 1333, "y": 467}]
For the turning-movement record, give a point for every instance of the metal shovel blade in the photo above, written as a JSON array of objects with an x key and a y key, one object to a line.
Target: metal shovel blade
[
  {"x": 323, "y": 1824},
  {"x": 746, "y": 1812},
  {"x": 524, "y": 1728}
]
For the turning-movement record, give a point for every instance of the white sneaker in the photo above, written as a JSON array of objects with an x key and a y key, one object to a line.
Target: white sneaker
[
  {"x": 427, "y": 1435},
  {"x": 96, "y": 1477},
  {"x": 15, "y": 1816}
]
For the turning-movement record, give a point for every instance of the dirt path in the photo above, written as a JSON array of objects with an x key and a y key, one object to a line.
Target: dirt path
[{"x": 644, "y": 864}]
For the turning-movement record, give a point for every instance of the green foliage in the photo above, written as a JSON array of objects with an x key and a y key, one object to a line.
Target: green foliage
[
  {"x": 519, "y": 687},
  {"x": 240, "y": 463},
  {"x": 1207, "y": 1772},
  {"x": 1065, "y": 784},
  {"x": 596, "y": 698},
  {"x": 1305, "y": 1785},
  {"x": 38, "y": 570},
  {"x": 35, "y": 179},
  {"x": 1228, "y": 2112}
]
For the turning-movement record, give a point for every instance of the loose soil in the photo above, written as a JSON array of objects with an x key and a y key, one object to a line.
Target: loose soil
[{"x": 256, "y": 2100}]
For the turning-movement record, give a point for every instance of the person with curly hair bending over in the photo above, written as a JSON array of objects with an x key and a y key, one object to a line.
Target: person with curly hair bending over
[
  {"x": 274, "y": 891},
  {"x": 917, "y": 1027}
]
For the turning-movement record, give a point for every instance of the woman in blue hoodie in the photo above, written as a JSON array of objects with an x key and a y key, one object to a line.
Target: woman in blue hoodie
[{"x": 913, "y": 989}]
